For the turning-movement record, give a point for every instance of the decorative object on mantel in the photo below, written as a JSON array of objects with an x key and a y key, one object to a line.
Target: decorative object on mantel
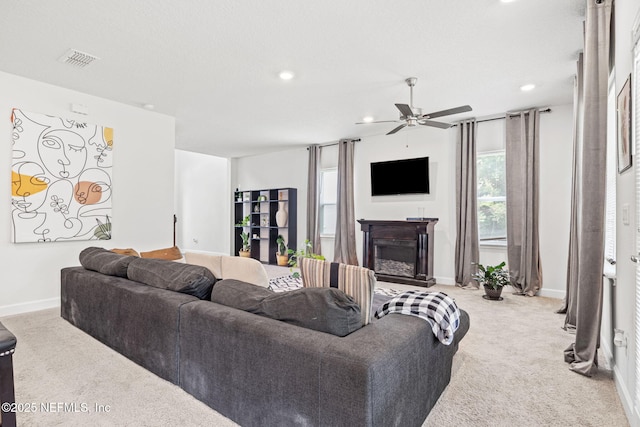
[
  {"x": 60, "y": 179},
  {"x": 282, "y": 214},
  {"x": 493, "y": 278}
]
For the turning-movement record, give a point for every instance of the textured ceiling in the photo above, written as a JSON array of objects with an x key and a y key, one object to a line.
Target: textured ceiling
[{"x": 214, "y": 64}]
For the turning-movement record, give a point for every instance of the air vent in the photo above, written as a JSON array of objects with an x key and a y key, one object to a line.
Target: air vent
[{"x": 77, "y": 58}]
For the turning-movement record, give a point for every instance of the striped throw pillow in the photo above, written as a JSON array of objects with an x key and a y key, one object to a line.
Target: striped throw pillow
[{"x": 357, "y": 282}]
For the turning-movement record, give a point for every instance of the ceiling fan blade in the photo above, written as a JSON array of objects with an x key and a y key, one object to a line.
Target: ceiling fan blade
[
  {"x": 405, "y": 110},
  {"x": 379, "y": 121},
  {"x": 461, "y": 109},
  {"x": 434, "y": 124},
  {"x": 396, "y": 129}
]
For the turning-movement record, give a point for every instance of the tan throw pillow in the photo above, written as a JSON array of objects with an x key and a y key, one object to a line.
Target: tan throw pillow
[
  {"x": 357, "y": 282},
  {"x": 127, "y": 251},
  {"x": 170, "y": 254}
]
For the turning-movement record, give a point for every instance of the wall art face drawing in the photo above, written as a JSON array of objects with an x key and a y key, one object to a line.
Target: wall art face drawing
[{"x": 60, "y": 179}]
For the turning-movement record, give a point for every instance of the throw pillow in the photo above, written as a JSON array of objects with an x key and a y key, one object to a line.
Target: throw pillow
[
  {"x": 185, "y": 278},
  {"x": 357, "y": 282},
  {"x": 105, "y": 262},
  {"x": 171, "y": 254},
  {"x": 322, "y": 309}
]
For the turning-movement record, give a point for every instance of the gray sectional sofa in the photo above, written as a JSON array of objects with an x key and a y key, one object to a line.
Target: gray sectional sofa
[{"x": 259, "y": 371}]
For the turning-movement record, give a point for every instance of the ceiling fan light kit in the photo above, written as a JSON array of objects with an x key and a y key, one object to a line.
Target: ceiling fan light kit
[{"x": 411, "y": 116}]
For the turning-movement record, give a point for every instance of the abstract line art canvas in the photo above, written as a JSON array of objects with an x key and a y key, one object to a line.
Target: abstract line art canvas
[{"x": 61, "y": 179}]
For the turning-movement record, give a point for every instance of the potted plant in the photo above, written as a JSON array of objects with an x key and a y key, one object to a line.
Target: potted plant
[
  {"x": 307, "y": 252},
  {"x": 244, "y": 222},
  {"x": 245, "y": 251},
  {"x": 282, "y": 255},
  {"x": 493, "y": 278}
]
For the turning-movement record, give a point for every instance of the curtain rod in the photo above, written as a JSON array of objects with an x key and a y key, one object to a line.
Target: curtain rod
[
  {"x": 333, "y": 143},
  {"x": 490, "y": 119},
  {"x": 542, "y": 110}
]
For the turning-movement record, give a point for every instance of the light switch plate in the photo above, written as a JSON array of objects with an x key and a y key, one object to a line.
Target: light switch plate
[{"x": 625, "y": 214}]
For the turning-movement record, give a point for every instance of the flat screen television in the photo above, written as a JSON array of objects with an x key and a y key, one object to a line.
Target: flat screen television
[{"x": 408, "y": 176}]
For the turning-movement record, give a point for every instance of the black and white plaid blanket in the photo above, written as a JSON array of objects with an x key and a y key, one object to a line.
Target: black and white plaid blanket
[{"x": 437, "y": 308}]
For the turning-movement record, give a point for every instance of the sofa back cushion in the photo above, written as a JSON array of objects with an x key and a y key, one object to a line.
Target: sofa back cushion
[
  {"x": 105, "y": 262},
  {"x": 322, "y": 309},
  {"x": 357, "y": 282},
  {"x": 231, "y": 267},
  {"x": 185, "y": 278}
]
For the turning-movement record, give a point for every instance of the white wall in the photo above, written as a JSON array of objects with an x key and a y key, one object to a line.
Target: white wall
[
  {"x": 275, "y": 170},
  {"x": 142, "y": 189},
  {"x": 439, "y": 146},
  {"x": 556, "y": 144},
  {"x": 203, "y": 202},
  {"x": 620, "y": 300}
]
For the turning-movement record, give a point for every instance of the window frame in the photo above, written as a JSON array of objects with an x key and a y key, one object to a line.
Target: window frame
[
  {"x": 322, "y": 204},
  {"x": 499, "y": 240}
]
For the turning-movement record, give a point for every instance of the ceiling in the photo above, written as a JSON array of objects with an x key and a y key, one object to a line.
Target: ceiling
[{"x": 214, "y": 65}]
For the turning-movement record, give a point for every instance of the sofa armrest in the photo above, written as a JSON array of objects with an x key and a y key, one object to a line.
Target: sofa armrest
[
  {"x": 245, "y": 269},
  {"x": 230, "y": 267}
]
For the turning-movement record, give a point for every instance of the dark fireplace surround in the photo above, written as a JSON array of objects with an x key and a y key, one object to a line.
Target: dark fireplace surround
[{"x": 400, "y": 251}]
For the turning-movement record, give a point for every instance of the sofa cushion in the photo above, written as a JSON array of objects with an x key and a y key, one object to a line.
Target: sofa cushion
[
  {"x": 357, "y": 282},
  {"x": 322, "y": 309},
  {"x": 185, "y": 278},
  {"x": 105, "y": 262}
]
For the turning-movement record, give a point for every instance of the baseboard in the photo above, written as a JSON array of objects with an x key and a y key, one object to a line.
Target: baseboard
[
  {"x": 552, "y": 293},
  {"x": 445, "y": 281},
  {"x": 625, "y": 398},
  {"x": 26, "y": 307}
]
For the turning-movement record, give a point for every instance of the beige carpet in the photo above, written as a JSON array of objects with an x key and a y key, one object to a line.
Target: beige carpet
[{"x": 509, "y": 371}]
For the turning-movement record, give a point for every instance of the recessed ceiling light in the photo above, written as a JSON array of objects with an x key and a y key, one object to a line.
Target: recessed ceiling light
[
  {"x": 528, "y": 87},
  {"x": 148, "y": 106},
  {"x": 367, "y": 119},
  {"x": 286, "y": 75},
  {"x": 507, "y": 1}
]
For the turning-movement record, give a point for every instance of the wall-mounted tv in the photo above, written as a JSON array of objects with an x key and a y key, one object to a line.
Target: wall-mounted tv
[{"x": 408, "y": 176}]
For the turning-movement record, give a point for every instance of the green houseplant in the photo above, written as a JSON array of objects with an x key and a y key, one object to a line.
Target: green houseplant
[
  {"x": 307, "y": 252},
  {"x": 245, "y": 251},
  {"x": 282, "y": 255},
  {"x": 493, "y": 278}
]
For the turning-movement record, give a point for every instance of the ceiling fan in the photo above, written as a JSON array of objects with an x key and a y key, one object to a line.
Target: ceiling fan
[{"x": 412, "y": 116}]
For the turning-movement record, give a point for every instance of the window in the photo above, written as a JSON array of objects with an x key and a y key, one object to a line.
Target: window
[
  {"x": 492, "y": 196},
  {"x": 328, "y": 199}
]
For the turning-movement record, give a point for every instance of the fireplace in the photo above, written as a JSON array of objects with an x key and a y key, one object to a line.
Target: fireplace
[
  {"x": 400, "y": 251},
  {"x": 395, "y": 257}
]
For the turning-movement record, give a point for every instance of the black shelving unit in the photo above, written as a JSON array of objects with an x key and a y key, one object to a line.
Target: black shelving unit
[{"x": 262, "y": 206}]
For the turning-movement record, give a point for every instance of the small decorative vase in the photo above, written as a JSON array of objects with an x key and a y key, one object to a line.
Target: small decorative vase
[
  {"x": 282, "y": 215},
  {"x": 282, "y": 260},
  {"x": 245, "y": 254}
]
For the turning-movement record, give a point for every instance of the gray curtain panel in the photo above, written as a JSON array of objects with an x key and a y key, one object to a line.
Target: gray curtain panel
[
  {"x": 467, "y": 252},
  {"x": 313, "y": 223},
  {"x": 569, "y": 303},
  {"x": 583, "y": 353},
  {"x": 345, "y": 243},
  {"x": 523, "y": 170}
]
